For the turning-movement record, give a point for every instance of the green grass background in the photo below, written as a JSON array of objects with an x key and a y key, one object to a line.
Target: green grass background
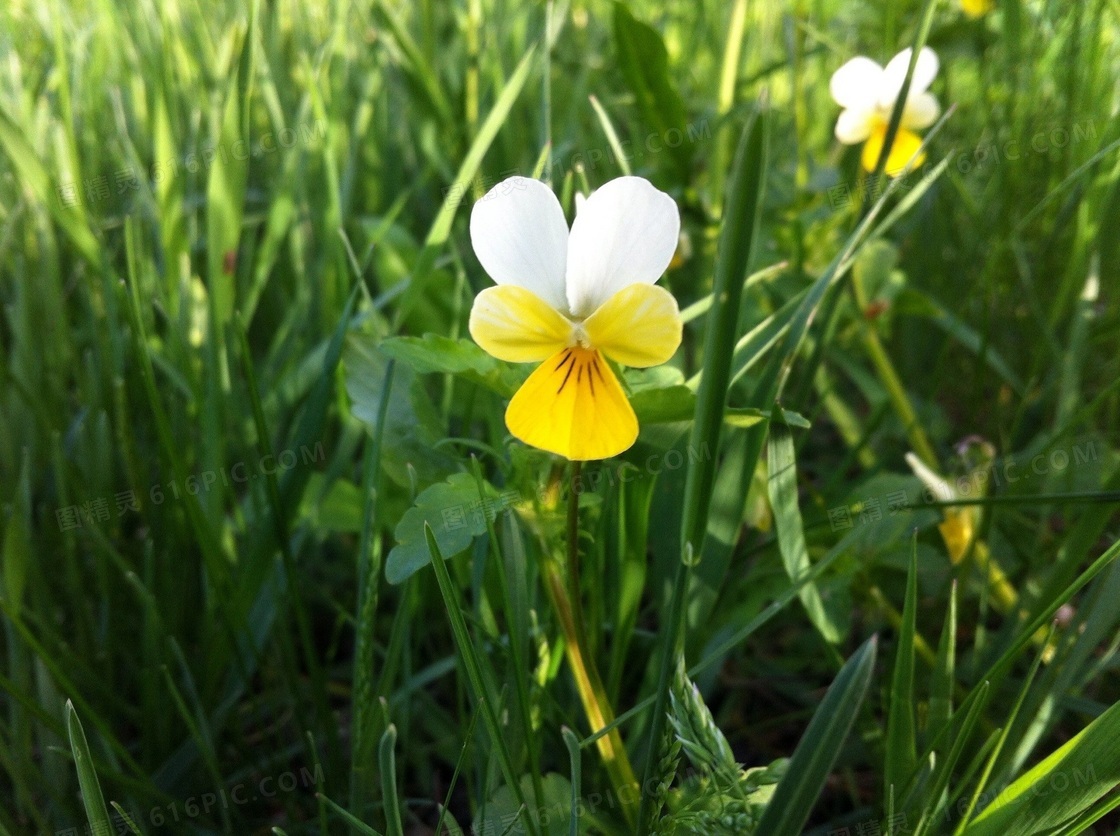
[{"x": 213, "y": 216}]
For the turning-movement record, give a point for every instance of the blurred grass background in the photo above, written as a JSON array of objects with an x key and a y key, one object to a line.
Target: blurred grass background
[{"x": 210, "y": 213}]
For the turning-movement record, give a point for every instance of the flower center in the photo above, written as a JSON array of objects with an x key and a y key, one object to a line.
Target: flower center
[{"x": 579, "y": 336}]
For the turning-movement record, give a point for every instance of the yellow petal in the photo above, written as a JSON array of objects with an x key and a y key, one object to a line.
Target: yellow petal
[
  {"x": 574, "y": 406},
  {"x": 956, "y": 530},
  {"x": 905, "y": 146},
  {"x": 514, "y": 324},
  {"x": 977, "y": 8},
  {"x": 639, "y": 326}
]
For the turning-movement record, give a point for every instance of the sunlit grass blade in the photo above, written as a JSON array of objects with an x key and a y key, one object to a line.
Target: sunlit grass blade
[
  {"x": 1085, "y": 769},
  {"x": 441, "y": 226}
]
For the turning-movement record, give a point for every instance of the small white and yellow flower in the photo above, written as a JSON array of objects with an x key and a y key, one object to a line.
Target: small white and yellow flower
[
  {"x": 977, "y": 8},
  {"x": 568, "y": 299},
  {"x": 868, "y": 93}
]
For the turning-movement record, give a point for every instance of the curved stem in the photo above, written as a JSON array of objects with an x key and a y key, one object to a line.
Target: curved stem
[{"x": 567, "y": 602}]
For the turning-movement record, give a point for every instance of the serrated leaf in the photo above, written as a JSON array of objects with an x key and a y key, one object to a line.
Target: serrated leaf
[
  {"x": 454, "y": 511},
  {"x": 554, "y": 815},
  {"x": 411, "y": 426},
  {"x": 433, "y": 354}
]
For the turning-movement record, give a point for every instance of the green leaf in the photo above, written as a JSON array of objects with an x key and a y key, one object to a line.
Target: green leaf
[
  {"x": 672, "y": 404},
  {"x": 797, "y": 792},
  {"x": 411, "y": 427},
  {"x": 740, "y": 224},
  {"x": 92, "y": 799},
  {"x": 453, "y": 509},
  {"x": 1060, "y": 788},
  {"x": 791, "y": 534},
  {"x": 433, "y": 354},
  {"x": 645, "y": 66},
  {"x": 554, "y": 816}
]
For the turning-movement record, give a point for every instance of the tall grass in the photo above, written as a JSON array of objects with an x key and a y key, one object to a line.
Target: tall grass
[{"x": 228, "y": 451}]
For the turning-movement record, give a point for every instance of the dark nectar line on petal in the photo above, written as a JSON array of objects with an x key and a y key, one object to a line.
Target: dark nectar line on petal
[{"x": 566, "y": 376}]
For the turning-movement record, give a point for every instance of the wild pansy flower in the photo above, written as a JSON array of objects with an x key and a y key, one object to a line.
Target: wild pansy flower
[
  {"x": 868, "y": 92},
  {"x": 570, "y": 299},
  {"x": 977, "y": 8}
]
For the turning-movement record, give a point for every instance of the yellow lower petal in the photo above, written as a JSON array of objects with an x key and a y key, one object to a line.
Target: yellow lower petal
[
  {"x": 515, "y": 325},
  {"x": 903, "y": 149},
  {"x": 639, "y": 326},
  {"x": 957, "y": 530},
  {"x": 573, "y": 406},
  {"x": 977, "y": 8}
]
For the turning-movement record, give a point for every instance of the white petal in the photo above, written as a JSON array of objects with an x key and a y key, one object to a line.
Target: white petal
[
  {"x": 854, "y": 126},
  {"x": 941, "y": 489},
  {"x": 894, "y": 74},
  {"x": 856, "y": 85},
  {"x": 626, "y": 233},
  {"x": 921, "y": 111},
  {"x": 521, "y": 238}
]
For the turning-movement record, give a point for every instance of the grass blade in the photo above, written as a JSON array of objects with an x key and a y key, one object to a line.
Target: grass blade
[
  {"x": 902, "y": 756},
  {"x": 741, "y": 214},
  {"x": 797, "y": 792},
  {"x": 92, "y": 798}
]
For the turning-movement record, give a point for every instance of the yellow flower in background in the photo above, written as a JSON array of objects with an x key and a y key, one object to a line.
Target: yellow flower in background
[
  {"x": 868, "y": 93},
  {"x": 977, "y": 8},
  {"x": 568, "y": 300}
]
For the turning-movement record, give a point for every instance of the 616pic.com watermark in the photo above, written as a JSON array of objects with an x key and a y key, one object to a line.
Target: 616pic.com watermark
[
  {"x": 98, "y": 510},
  {"x": 175, "y": 813},
  {"x": 123, "y": 181},
  {"x": 1007, "y": 470}
]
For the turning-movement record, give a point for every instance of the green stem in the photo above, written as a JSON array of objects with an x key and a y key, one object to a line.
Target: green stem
[
  {"x": 566, "y": 601},
  {"x": 888, "y": 376}
]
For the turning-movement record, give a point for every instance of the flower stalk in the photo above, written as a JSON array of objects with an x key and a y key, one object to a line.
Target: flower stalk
[{"x": 564, "y": 593}]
